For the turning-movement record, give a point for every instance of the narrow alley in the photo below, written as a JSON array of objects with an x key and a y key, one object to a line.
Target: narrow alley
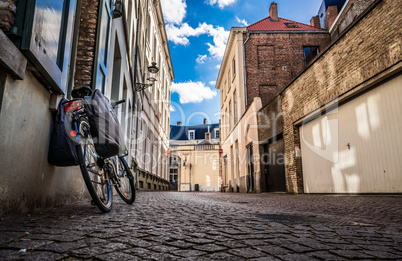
[{"x": 211, "y": 226}]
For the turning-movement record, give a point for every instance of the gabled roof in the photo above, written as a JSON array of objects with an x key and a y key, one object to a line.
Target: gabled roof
[
  {"x": 267, "y": 24},
  {"x": 181, "y": 132}
]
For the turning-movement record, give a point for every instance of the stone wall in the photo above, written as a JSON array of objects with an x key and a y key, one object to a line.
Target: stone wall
[
  {"x": 7, "y": 14},
  {"x": 86, "y": 43},
  {"x": 370, "y": 48}
]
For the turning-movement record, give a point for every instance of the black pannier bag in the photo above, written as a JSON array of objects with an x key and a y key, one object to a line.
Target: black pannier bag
[
  {"x": 62, "y": 150},
  {"x": 105, "y": 127}
]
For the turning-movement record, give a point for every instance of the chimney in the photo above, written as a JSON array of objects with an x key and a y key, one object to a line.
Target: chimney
[
  {"x": 273, "y": 11},
  {"x": 179, "y": 123},
  {"x": 205, "y": 121},
  {"x": 332, "y": 14},
  {"x": 315, "y": 21}
]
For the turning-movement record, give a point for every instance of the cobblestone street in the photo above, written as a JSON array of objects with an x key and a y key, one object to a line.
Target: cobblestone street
[{"x": 211, "y": 226}]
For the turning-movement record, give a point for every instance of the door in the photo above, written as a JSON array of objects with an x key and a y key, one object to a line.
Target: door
[
  {"x": 274, "y": 163},
  {"x": 356, "y": 148}
]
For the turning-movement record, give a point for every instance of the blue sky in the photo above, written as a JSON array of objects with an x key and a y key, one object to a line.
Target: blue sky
[{"x": 197, "y": 32}]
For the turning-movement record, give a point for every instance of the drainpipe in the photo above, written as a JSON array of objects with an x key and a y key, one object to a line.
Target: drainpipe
[{"x": 244, "y": 63}]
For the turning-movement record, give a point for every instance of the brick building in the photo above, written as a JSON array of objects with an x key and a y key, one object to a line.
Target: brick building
[
  {"x": 103, "y": 44},
  {"x": 339, "y": 117},
  {"x": 259, "y": 61}
]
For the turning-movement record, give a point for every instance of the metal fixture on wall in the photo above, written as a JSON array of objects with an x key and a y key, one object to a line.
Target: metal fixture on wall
[
  {"x": 118, "y": 9},
  {"x": 153, "y": 70}
]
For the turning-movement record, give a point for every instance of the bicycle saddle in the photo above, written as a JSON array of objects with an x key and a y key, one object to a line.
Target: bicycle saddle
[{"x": 81, "y": 92}]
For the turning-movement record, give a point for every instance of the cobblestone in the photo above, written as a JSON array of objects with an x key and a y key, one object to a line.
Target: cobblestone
[{"x": 211, "y": 226}]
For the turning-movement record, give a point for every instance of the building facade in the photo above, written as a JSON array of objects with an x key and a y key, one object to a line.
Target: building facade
[
  {"x": 194, "y": 157},
  {"x": 259, "y": 61},
  {"x": 104, "y": 44},
  {"x": 339, "y": 118}
]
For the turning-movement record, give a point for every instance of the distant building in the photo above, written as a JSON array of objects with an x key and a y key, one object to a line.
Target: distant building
[
  {"x": 329, "y": 11},
  {"x": 194, "y": 157},
  {"x": 258, "y": 62}
]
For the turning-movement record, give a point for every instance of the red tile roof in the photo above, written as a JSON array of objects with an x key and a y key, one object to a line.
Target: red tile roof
[{"x": 268, "y": 25}]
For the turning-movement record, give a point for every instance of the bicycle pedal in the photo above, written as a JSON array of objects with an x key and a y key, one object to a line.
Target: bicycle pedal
[{"x": 92, "y": 202}]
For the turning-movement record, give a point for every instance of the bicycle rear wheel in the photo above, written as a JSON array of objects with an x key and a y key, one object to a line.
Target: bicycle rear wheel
[
  {"x": 125, "y": 184},
  {"x": 95, "y": 177}
]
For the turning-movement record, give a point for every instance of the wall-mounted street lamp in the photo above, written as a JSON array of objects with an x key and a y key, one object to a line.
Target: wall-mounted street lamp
[
  {"x": 153, "y": 70},
  {"x": 118, "y": 9}
]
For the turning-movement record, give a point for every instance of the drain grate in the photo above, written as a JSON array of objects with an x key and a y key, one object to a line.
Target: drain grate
[{"x": 308, "y": 220}]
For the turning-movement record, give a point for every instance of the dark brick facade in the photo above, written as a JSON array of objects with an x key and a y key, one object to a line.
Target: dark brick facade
[
  {"x": 369, "y": 52},
  {"x": 7, "y": 14},
  {"x": 86, "y": 43},
  {"x": 274, "y": 59}
]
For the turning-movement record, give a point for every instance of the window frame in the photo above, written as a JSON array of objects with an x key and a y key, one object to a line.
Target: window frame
[
  {"x": 216, "y": 131},
  {"x": 189, "y": 134},
  {"x": 53, "y": 70}
]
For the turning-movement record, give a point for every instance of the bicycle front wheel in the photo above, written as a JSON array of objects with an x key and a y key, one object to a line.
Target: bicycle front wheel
[
  {"x": 125, "y": 182},
  {"x": 95, "y": 177}
]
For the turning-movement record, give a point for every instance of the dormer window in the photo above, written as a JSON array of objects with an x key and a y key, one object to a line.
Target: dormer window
[
  {"x": 291, "y": 25},
  {"x": 216, "y": 133},
  {"x": 191, "y": 135}
]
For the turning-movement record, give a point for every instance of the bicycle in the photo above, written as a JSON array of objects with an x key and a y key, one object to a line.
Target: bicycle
[{"x": 99, "y": 174}]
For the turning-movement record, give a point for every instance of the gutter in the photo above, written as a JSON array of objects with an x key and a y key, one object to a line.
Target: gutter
[{"x": 244, "y": 64}]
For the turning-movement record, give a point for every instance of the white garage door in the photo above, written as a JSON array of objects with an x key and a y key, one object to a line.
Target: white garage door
[{"x": 358, "y": 147}]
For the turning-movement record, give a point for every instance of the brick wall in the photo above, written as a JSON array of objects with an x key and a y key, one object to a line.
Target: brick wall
[
  {"x": 7, "y": 14},
  {"x": 86, "y": 43},
  {"x": 365, "y": 51},
  {"x": 273, "y": 60}
]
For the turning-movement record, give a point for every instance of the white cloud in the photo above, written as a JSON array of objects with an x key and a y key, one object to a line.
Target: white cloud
[
  {"x": 172, "y": 108},
  {"x": 241, "y": 21},
  {"x": 221, "y": 3},
  {"x": 218, "y": 67},
  {"x": 193, "y": 92},
  {"x": 212, "y": 83},
  {"x": 174, "y": 11},
  {"x": 202, "y": 58},
  {"x": 179, "y": 35}
]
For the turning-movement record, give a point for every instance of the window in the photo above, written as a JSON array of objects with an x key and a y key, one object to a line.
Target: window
[
  {"x": 230, "y": 116},
  {"x": 216, "y": 133},
  {"x": 309, "y": 53},
  {"x": 229, "y": 81},
  {"x": 102, "y": 48},
  {"x": 47, "y": 29},
  {"x": 235, "y": 106},
  {"x": 191, "y": 135},
  {"x": 234, "y": 67}
]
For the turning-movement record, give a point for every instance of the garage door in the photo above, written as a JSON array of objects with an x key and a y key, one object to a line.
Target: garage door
[{"x": 356, "y": 148}]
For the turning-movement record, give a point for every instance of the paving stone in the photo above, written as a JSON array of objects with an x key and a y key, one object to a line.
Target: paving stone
[
  {"x": 210, "y": 248},
  {"x": 163, "y": 248},
  {"x": 180, "y": 244},
  {"x": 297, "y": 248},
  {"x": 199, "y": 240},
  {"x": 382, "y": 254},
  {"x": 246, "y": 252},
  {"x": 41, "y": 256},
  {"x": 325, "y": 255},
  {"x": 29, "y": 244},
  {"x": 298, "y": 257},
  {"x": 189, "y": 253},
  {"x": 117, "y": 256},
  {"x": 350, "y": 254},
  {"x": 274, "y": 250},
  {"x": 222, "y": 257}
]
